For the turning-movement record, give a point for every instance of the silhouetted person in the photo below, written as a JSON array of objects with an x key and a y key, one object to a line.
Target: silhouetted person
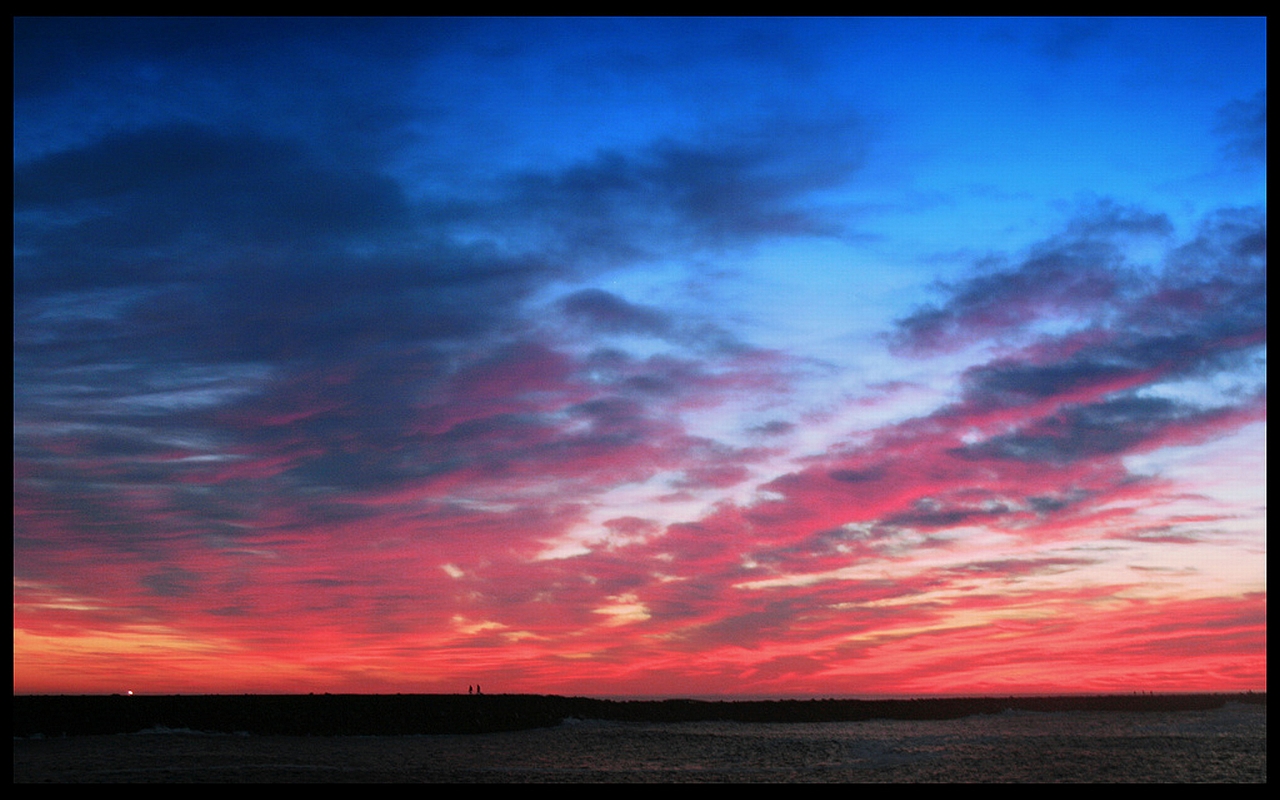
[
  {"x": 477, "y": 688},
  {"x": 468, "y": 688}
]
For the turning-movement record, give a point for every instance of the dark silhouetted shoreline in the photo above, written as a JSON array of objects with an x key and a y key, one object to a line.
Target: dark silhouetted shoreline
[{"x": 369, "y": 715}]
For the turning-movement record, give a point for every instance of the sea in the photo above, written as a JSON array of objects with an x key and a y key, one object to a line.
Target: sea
[{"x": 1222, "y": 745}]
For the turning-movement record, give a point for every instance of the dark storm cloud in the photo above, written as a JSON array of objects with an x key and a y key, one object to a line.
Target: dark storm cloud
[
  {"x": 174, "y": 250},
  {"x": 1243, "y": 126},
  {"x": 1072, "y": 278},
  {"x": 1079, "y": 272},
  {"x": 1104, "y": 218},
  {"x": 171, "y": 582},
  {"x": 613, "y": 420},
  {"x": 1206, "y": 308},
  {"x": 739, "y": 190},
  {"x": 597, "y": 312},
  {"x": 1044, "y": 504},
  {"x": 775, "y": 427},
  {"x": 1229, "y": 249},
  {"x": 611, "y": 314},
  {"x": 1219, "y": 342},
  {"x": 339, "y": 367},
  {"x": 162, "y": 204},
  {"x": 254, "y": 246},
  {"x": 1011, "y": 382},
  {"x": 1112, "y": 427}
]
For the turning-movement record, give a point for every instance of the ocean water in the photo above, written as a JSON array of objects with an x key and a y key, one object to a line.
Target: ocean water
[{"x": 1228, "y": 744}]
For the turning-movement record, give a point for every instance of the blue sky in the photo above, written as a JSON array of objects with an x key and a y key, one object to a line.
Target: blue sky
[{"x": 755, "y": 356}]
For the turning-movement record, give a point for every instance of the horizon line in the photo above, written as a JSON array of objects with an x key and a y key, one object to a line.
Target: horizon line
[{"x": 664, "y": 698}]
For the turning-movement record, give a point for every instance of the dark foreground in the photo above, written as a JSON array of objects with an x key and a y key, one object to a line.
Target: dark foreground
[
  {"x": 389, "y": 715},
  {"x": 1219, "y": 745}
]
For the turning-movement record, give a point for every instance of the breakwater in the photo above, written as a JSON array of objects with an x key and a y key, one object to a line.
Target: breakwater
[{"x": 371, "y": 715}]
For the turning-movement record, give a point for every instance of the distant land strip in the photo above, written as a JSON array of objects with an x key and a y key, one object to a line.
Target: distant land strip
[{"x": 386, "y": 715}]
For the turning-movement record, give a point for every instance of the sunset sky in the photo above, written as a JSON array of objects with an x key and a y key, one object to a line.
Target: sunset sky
[{"x": 784, "y": 358}]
